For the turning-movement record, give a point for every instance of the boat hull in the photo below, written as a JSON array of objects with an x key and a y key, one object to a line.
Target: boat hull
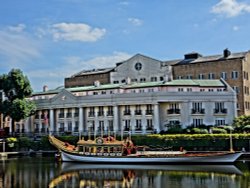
[{"x": 222, "y": 158}]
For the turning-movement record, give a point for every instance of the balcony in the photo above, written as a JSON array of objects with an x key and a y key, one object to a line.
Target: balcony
[
  {"x": 91, "y": 114},
  {"x": 174, "y": 111},
  {"x": 69, "y": 115},
  {"x": 149, "y": 112},
  {"x": 198, "y": 111},
  {"x": 61, "y": 129},
  {"x": 220, "y": 111},
  {"x": 61, "y": 115},
  {"x": 100, "y": 113},
  {"x": 110, "y": 113},
  {"x": 127, "y": 113},
  {"x": 138, "y": 112}
]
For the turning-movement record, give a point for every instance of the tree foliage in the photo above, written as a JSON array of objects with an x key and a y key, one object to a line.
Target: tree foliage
[
  {"x": 16, "y": 88},
  {"x": 241, "y": 121}
]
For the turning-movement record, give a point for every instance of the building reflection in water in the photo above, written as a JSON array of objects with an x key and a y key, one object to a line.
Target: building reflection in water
[{"x": 44, "y": 172}]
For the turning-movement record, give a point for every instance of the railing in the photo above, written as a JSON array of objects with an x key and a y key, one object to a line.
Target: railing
[
  {"x": 198, "y": 111},
  {"x": 149, "y": 112},
  {"x": 173, "y": 111},
  {"x": 101, "y": 113},
  {"x": 91, "y": 114},
  {"x": 220, "y": 111},
  {"x": 126, "y": 113},
  {"x": 110, "y": 113},
  {"x": 138, "y": 112}
]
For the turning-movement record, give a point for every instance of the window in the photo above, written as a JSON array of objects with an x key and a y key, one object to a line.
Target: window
[
  {"x": 110, "y": 125},
  {"x": 138, "y": 66},
  {"x": 220, "y": 107},
  {"x": 127, "y": 110},
  {"x": 143, "y": 80},
  {"x": 138, "y": 126},
  {"x": 116, "y": 82},
  {"x": 223, "y": 75},
  {"x": 95, "y": 93},
  {"x": 201, "y": 76},
  {"x": 246, "y": 90},
  {"x": 100, "y": 111},
  {"x": 149, "y": 110},
  {"x": 197, "y": 108},
  {"x": 149, "y": 124},
  {"x": 211, "y": 76},
  {"x": 202, "y": 90},
  {"x": 91, "y": 111},
  {"x": 236, "y": 89},
  {"x": 234, "y": 75},
  {"x": 197, "y": 122},
  {"x": 138, "y": 110},
  {"x": 161, "y": 78},
  {"x": 180, "y": 77},
  {"x": 101, "y": 126},
  {"x": 153, "y": 79},
  {"x": 189, "y": 77},
  {"x": 134, "y": 80},
  {"x": 180, "y": 89},
  {"x": 220, "y": 122},
  {"x": 189, "y": 89},
  {"x": 127, "y": 125}
]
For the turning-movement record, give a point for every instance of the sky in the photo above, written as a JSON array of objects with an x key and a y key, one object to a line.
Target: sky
[{"x": 53, "y": 39}]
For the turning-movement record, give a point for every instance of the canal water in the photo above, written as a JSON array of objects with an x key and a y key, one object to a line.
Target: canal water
[{"x": 41, "y": 172}]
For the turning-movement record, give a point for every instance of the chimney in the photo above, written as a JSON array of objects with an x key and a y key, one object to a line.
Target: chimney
[
  {"x": 226, "y": 53},
  {"x": 97, "y": 83},
  {"x": 128, "y": 80},
  {"x": 192, "y": 55},
  {"x": 45, "y": 88}
]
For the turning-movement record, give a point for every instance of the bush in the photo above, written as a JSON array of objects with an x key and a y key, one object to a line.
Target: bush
[
  {"x": 199, "y": 131},
  {"x": 218, "y": 130}
]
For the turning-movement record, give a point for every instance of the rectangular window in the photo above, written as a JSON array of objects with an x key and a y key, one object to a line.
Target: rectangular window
[
  {"x": 201, "y": 76},
  {"x": 189, "y": 77},
  {"x": 153, "y": 79},
  {"x": 127, "y": 125},
  {"x": 234, "y": 75},
  {"x": 180, "y": 89},
  {"x": 236, "y": 89},
  {"x": 220, "y": 122},
  {"x": 138, "y": 126},
  {"x": 110, "y": 125},
  {"x": 223, "y": 75},
  {"x": 143, "y": 80},
  {"x": 149, "y": 124},
  {"x": 211, "y": 76},
  {"x": 197, "y": 122}
]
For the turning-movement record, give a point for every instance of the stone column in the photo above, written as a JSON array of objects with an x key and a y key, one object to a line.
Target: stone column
[
  {"x": 156, "y": 118},
  {"x": 116, "y": 118},
  {"x": 80, "y": 119},
  {"x": 51, "y": 120}
]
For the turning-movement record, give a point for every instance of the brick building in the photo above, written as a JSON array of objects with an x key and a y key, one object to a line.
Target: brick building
[{"x": 234, "y": 68}]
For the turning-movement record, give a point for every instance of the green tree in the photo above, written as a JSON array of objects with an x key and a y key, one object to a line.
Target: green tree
[
  {"x": 16, "y": 88},
  {"x": 241, "y": 121}
]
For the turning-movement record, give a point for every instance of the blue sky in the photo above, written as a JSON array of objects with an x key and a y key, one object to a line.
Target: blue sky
[{"x": 53, "y": 39}]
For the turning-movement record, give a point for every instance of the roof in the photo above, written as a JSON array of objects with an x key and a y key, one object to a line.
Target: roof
[
  {"x": 181, "y": 82},
  {"x": 92, "y": 71},
  {"x": 204, "y": 59},
  {"x": 201, "y": 83}
]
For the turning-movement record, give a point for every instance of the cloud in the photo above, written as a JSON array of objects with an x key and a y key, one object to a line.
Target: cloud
[
  {"x": 76, "y": 32},
  {"x": 19, "y": 28},
  {"x": 16, "y": 46},
  {"x": 135, "y": 21},
  {"x": 73, "y": 65},
  {"x": 236, "y": 28},
  {"x": 230, "y": 8}
]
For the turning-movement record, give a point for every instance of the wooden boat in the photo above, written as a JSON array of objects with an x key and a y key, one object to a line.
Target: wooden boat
[{"x": 110, "y": 150}]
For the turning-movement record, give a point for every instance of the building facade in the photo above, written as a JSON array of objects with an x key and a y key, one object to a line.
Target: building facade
[
  {"x": 133, "y": 108},
  {"x": 234, "y": 68}
]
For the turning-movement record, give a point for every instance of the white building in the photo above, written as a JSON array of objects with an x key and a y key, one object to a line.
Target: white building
[{"x": 139, "y": 108}]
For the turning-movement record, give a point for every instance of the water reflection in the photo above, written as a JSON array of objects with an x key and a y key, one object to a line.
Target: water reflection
[
  {"x": 92, "y": 176},
  {"x": 45, "y": 172}
]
